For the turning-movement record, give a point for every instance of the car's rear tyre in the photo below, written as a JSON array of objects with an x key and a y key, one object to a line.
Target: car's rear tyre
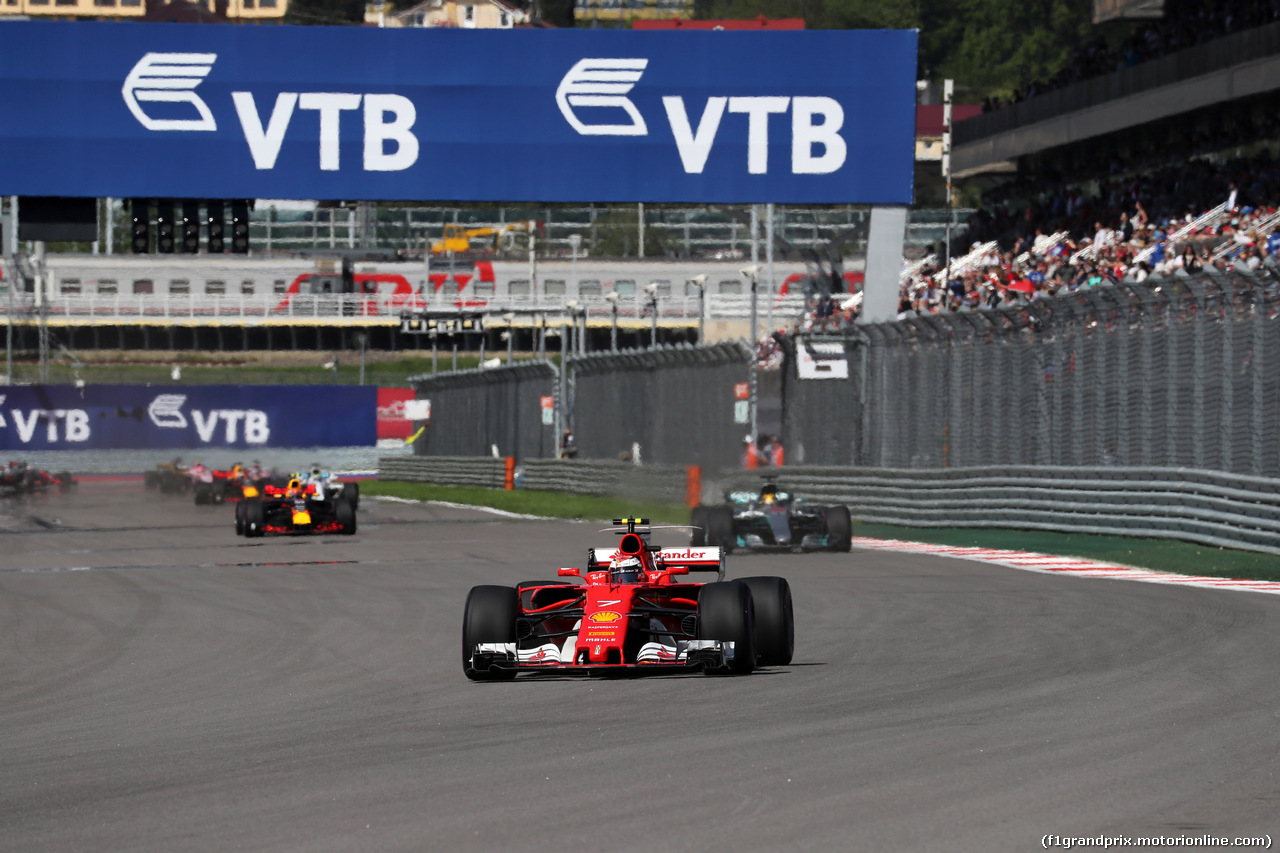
[
  {"x": 698, "y": 520},
  {"x": 726, "y": 614},
  {"x": 489, "y": 616},
  {"x": 151, "y": 480},
  {"x": 839, "y": 528},
  {"x": 255, "y": 518},
  {"x": 351, "y": 492},
  {"x": 345, "y": 514},
  {"x": 720, "y": 528},
  {"x": 775, "y": 622}
]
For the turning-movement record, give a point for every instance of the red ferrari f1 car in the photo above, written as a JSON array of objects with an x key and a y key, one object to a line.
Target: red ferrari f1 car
[{"x": 627, "y": 612}]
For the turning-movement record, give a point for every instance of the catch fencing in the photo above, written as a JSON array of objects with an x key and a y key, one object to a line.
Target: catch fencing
[
  {"x": 675, "y": 403},
  {"x": 494, "y": 412},
  {"x": 1174, "y": 372},
  {"x": 670, "y": 405}
]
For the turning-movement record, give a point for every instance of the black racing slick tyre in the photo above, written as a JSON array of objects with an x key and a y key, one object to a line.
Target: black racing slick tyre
[
  {"x": 489, "y": 616},
  {"x": 151, "y": 480},
  {"x": 775, "y": 622},
  {"x": 345, "y": 514},
  {"x": 720, "y": 528},
  {"x": 240, "y": 507},
  {"x": 351, "y": 492},
  {"x": 698, "y": 521},
  {"x": 726, "y": 614},
  {"x": 255, "y": 518},
  {"x": 839, "y": 528}
]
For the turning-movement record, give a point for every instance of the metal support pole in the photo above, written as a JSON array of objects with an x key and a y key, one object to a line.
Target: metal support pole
[
  {"x": 613, "y": 332},
  {"x": 947, "y": 88},
  {"x": 702, "y": 315},
  {"x": 768, "y": 268},
  {"x": 363, "y": 340},
  {"x": 640, "y": 218},
  {"x": 435, "y": 352},
  {"x": 111, "y": 226},
  {"x": 653, "y": 327}
]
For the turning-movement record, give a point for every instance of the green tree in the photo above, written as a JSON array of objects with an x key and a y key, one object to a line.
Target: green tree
[
  {"x": 987, "y": 46},
  {"x": 333, "y": 12}
]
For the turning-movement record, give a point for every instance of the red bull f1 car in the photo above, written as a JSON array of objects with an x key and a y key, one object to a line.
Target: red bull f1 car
[
  {"x": 298, "y": 507},
  {"x": 629, "y": 610}
]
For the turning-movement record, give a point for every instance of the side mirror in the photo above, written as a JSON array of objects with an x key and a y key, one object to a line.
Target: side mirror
[
  {"x": 678, "y": 570},
  {"x": 569, "y": 573}
]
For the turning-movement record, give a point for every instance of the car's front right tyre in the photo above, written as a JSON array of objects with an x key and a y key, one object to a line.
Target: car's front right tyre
[{"x": 489, "y": 616}]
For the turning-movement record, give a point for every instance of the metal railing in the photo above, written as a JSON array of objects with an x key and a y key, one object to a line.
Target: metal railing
[
  {"x": 183, "y": 308},
  {"x": 478, "y": 471},
  {"x": 1192, "y": 505}
]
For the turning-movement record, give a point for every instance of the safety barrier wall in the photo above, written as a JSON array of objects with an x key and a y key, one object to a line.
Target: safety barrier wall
[
  {"x": 1176, "y": 503},
  {"x": 664, "y": 483},
  {"x": 475, "y": 411},
  {"x": 480, "y": 472},
  {"x": 1226, "y": 52}
]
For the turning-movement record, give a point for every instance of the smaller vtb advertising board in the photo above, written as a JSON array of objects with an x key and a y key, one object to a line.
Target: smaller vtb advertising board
[{"x": 97, "y": 417}]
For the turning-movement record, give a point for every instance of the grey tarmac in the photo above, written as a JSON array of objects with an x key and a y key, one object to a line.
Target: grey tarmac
[{"x": 168, "y": 686}]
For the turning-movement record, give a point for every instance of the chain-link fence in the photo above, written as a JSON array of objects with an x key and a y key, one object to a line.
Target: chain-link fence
[
  {"x": 676, "y": 403},
  {"x": 673, "y": 405},
  {"x": 1175, "y": 371},
  {"x": 474, "y": 411}
]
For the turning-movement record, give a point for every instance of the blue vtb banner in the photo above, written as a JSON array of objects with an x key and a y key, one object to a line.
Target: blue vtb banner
[
  {"x": 222, "y": 111},
  {"x": 63, "y": 417}
]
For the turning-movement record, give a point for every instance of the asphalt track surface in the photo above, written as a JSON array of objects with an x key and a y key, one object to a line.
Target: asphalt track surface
[{"x": 185, "y": 689}]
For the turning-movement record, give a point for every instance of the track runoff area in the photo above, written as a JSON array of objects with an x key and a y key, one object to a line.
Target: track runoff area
[{"x": 168, "y": 685}]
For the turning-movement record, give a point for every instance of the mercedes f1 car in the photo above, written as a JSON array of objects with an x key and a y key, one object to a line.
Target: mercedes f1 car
[
  {"x": 298, "y": 507},
  {"x": 772, "y": 519},
  {"x": 626, "y": 612}
]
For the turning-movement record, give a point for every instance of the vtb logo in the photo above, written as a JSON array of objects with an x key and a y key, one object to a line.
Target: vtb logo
[
  {"x": 817, "y": 148},
  {"x": 171, "y": 78}
]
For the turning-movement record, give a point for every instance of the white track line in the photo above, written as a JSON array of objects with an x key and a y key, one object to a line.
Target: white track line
[{"x": 1072, "y": 566}]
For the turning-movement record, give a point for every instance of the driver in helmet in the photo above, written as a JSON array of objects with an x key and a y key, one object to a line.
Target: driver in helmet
[
  {"x": 626, "y": 570},
  {"x": 768, "y": 493}
]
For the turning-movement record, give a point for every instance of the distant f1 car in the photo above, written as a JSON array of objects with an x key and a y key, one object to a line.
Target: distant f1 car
[
  {"x": 298, "y": 507},
  {"x": 626, "y": 612},
  {"x": 19, "y": 477},
  {"x": 772, "y": 519},
  {"x": 168, "y": 477}
]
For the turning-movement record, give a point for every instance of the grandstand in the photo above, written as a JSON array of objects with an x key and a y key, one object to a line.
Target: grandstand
[{"x": 1154, "y": 156}]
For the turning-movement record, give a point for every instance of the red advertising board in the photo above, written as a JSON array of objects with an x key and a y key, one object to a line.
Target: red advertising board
[{"x": 391, "y": 420}]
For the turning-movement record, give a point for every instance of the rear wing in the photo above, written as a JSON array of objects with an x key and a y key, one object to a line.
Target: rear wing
[{"x": 706, "y": 559}]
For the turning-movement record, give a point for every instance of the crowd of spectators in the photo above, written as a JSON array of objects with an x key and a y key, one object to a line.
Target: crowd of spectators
[
  {"x": 1186, "y": 23},
  {"x": 1183, "y": 217}
]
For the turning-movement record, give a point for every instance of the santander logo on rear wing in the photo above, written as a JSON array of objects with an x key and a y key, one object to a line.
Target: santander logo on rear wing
[{"x": 694, "y": 559}]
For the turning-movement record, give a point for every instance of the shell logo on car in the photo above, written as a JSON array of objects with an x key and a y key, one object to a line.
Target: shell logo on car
[{"x": 605, "y": 616}]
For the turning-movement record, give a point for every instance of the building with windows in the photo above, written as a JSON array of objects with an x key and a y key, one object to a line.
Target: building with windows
[
  {"x": 183, "y": 11},
  {"x": 465, "y": 14}
]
